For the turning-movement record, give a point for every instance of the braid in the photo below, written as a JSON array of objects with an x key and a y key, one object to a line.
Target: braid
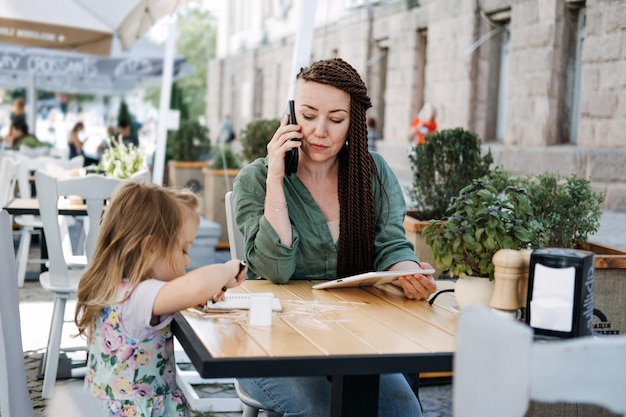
[{"x": 356, "y": 169}]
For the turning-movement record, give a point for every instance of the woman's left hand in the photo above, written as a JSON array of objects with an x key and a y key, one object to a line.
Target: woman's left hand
[{"x": 418, "y": 286}]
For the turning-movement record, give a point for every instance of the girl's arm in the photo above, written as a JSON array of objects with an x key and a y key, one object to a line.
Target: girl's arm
[{"x": 197, "y": 286}]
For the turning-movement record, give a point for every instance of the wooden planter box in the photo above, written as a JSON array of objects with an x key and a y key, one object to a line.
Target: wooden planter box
[
  {"x": 413, "y": 228},
  {"x": 609, "y": 319},
  {"x": 186, "y": 174},
  {"x": 216, "y": 183}
]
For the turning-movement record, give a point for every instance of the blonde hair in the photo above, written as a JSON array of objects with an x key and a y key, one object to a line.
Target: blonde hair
[{"x": 139, "y": 226}]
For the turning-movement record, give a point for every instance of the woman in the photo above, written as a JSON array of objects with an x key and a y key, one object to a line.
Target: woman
[
  {"x": 74, "y": 142},
  {"x": 341, "y": 214}
]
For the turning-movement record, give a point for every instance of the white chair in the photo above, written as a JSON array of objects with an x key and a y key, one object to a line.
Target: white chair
[
  {"x": 8, "y": 180},
  {"x": 14, "y": 397},
  {"x": 61, "y": 280},
  {"x": 251, "y": 407},
  {"x": 499, "y": 368},
  {"x": 235, "y": 238},
  {"x": 29, "y": 223}
]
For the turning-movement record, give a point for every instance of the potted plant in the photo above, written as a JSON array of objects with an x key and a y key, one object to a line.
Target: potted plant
[
  {"x": 447, "y": 162},
  {"x": 218, "y": 179},
  {"x": 255, "y": 136},
  {"x": 121, "y": 161},
  {"x": 482, "y": 220},
  {"x": 187, "y": 153}
]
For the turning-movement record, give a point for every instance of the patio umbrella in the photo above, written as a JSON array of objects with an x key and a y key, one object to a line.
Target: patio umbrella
[{"x": 86, "y": 26}]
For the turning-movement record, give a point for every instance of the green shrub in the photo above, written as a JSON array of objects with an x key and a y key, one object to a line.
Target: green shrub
[
  {"x": 255, "y": 136},
  {"x": 447, "y": 162}
]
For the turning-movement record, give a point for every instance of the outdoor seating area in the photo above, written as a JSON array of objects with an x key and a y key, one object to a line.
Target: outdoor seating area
[{"x": 334, "y": 209}]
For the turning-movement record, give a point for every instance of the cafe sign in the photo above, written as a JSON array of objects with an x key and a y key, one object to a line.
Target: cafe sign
[{"x": 42, "y": 35}]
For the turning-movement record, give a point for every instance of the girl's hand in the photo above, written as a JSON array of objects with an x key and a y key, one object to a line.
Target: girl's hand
[
  {"x": 281, "y": 142},
  {"x": 418, "y": 286},
  {"x": 239, "y": 269}
]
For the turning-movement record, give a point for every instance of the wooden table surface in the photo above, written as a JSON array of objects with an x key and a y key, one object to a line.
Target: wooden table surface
[{"x": 345, "y": 333}]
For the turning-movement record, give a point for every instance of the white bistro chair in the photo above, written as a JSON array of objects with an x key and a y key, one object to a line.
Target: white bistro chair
[
  {"x": 499, "y": 368},
  {"x": 235, "y": 238},
  {"x": 60, "y": 279},
  {"x": 251, "y": 406},
  {"x": 14, "y": 397},
  {"x": 29, "y": 223}
]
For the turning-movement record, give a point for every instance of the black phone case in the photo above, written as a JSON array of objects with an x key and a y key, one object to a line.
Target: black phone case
[{"x": 292, "y": 155}]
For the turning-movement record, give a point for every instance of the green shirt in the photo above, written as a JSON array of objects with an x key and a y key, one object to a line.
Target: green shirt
[{"x": 313, "y": 254}]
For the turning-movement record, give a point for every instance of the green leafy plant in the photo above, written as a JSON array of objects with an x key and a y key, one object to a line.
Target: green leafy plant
[
  {"x": 567, "y": 207},
  {"x": 447, "y": 162},
  {"x": 255, "y": 136},
  {"x": 190, "y": 143},
  {"x": 121, "y": 161},
  {"x": 482, "y": 221},
  {"x": 225, "y": 158}
]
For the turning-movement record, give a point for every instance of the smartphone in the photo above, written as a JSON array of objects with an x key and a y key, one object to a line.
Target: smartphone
[{"x": 291, "y": 157}]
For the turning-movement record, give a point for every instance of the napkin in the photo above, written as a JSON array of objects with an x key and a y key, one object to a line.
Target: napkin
[{"x": 552, "y": 303}]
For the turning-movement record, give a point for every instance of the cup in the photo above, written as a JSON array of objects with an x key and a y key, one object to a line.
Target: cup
[{"x": 260, "y": 313}]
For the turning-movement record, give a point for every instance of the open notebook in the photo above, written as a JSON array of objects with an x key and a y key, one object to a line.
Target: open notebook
[{"x": 236, "y": 301}]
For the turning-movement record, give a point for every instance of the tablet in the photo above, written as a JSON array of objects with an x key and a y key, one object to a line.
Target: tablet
[{"x": 369, "y": 279}]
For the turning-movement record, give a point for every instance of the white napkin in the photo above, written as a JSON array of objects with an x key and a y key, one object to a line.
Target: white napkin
[{"x": 552, "y": 303}]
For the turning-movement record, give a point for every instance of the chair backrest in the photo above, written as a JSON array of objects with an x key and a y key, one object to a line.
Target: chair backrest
[
  {"x": 8, "y": 179},
  {"x": 28, "y": 165},
  {"x": 235, "y": 238},
  {"x": 499, "y": 368},
  {"x": 14, "y": 397},
  {"x": 94, "y": 189}
]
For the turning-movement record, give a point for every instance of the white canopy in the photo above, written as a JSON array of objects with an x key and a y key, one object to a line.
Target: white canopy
[{"x": 85, "y": 26}]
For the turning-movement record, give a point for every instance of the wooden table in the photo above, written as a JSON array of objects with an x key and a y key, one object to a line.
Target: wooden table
[
  {"x": 30, "y": 206},
  {"x": 351, "y": 334}
]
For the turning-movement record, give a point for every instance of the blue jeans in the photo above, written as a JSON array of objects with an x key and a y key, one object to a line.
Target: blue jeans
[{"x": 310, "y": 396}]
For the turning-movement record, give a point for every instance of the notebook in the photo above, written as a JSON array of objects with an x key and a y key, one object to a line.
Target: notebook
[
  {"x": 236, "y": 301},
  {"x": 369, "y": 279}
]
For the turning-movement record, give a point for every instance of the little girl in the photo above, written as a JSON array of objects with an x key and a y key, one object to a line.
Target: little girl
[{"x": 128, "y": 295}]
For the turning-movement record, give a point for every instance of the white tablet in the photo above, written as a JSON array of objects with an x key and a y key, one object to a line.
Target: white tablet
[{"x": 369, "y": 279}]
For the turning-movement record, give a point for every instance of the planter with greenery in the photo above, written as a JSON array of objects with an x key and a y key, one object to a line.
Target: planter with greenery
[
  {"x": 482, "y": 221},
  {"x": 187, "y": 153},
  {"x": 121, "y": 161},
  {"x": 449, "y": 161},
  {"x": 255, "y": 136},
  {"x": 218, "y": 179}
]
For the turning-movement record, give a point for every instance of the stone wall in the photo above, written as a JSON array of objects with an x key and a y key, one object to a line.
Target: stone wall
[{"x": 447, "y": 52}]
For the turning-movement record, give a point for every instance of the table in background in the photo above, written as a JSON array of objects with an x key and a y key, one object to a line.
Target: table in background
[
  {"x": 350, "y": 334},
  {"x": 30, "y": 206}
]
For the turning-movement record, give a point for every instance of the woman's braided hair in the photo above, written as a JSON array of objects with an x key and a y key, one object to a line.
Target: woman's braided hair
[{"x": 356, "y": 168}]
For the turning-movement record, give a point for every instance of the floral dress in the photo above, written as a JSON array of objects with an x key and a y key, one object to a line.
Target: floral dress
[{"x": 133, "y": 377}]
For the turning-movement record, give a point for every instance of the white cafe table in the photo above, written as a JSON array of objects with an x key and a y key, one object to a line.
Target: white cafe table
[{"x": 351, "y": 335}]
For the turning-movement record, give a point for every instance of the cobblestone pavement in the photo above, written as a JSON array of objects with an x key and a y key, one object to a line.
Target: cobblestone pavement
[{"x": 36, "y": 309}]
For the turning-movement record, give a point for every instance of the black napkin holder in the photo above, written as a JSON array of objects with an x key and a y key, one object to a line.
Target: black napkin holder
[{"x": 583, "y": 264}]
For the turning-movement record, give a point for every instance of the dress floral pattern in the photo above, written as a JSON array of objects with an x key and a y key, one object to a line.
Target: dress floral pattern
[{"x": 133, "y": 377}]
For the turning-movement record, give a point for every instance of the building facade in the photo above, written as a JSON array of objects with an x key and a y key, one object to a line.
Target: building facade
[{"x": 543, "y": 83}]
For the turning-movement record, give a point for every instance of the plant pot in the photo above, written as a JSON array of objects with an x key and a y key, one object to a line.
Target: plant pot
[
  {"x": 473, "y": 290},
  {"x": 186, "y": 174},
  {"x": 216, "y": 183},
  {"x": 413, "y": 228}
]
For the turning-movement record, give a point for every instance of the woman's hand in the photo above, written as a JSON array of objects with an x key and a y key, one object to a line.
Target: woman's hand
[
  {"x": 417, "y": 286},
  {"x": 281, "y": 142}
]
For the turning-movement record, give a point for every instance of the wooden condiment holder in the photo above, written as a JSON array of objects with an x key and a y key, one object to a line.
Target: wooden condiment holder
[{"x": 511, "y": 270}]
